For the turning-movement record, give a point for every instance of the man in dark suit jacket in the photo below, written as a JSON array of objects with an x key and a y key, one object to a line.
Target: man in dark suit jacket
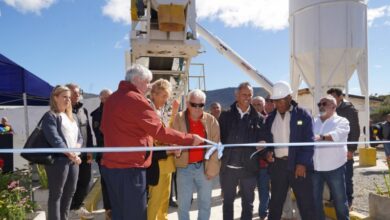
[{"x": 291, "y": 166}]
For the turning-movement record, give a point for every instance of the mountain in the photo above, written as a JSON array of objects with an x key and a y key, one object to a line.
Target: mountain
[{"x": 226, "y": 96}]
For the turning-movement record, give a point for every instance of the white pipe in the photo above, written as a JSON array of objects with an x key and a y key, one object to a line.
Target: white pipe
[
  {"x": 26, "y": 115},
  {"x": 231, "y": 55}
]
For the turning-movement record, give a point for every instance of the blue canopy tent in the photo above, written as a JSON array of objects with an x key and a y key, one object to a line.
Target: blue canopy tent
[{"x": 20, "y": 87}]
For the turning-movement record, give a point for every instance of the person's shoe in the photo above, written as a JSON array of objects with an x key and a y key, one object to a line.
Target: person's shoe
[
  {"x": 173, "y": 204},
  {"x": 84, "y": 213}
]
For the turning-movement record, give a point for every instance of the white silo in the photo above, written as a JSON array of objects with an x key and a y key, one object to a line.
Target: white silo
[{"x": 328, "y": 40}]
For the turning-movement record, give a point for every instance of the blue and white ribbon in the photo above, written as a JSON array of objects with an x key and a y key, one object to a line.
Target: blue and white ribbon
[{"x": 211, "y": 145}]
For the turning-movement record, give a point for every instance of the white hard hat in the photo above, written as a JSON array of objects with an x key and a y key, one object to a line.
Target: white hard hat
[{"x": 280, "y": 90}]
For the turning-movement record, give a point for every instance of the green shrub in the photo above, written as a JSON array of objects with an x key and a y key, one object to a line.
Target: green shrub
[
  {"x": 42, "y": 176},
  {"x": 15, "y": 195}
]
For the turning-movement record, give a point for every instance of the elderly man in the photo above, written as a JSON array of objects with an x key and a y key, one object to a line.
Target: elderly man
[
  {"x": 97, "y": 118},
  {"x": 292, "y": 166},
  {"x": 347, "y": 110},
  {"x": 258, "y": 103},
  {"x": 96, "y": 121},
  {"x": 85, "y": 168},
  {"x": 329, "y": 160},
  {"x": 269, "y": 105},
  {"x": 192, "y": 170},
  {"x": 240, "y": 124},
  {"x": 215, "y": 109},
  {"x": 129, "y": 121}
]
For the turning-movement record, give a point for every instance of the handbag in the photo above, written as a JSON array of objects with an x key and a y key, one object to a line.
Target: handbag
[{"x": 37, "y": 140}]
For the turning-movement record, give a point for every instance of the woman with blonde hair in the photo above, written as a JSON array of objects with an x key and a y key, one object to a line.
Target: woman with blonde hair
[
  {"x": 61, "y": 131},
  {"x": 159, "y": 174}
]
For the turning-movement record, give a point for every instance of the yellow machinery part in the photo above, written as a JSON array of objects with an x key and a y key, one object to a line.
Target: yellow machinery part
[
  {"x": 330, "y": 213},
  {"x": 134, "y": 10},
  {"x": 171, "y": 18},
  {"x": 367, "y": 156}
]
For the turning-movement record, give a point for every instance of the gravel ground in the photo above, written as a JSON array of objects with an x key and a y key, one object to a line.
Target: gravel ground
[{"x": 365, "y": 179}]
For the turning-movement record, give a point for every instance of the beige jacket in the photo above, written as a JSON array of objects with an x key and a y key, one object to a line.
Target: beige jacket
[{"x": 210, "y": 123}]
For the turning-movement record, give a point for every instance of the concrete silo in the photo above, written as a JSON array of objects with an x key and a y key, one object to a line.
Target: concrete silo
[{"x": 328, "y": 40}]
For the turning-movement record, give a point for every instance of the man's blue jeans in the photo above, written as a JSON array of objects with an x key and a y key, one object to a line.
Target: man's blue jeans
[
  {"x": 187, "y": 178},
  {"x": 263, "y": 187},
  {"x": 336, "y": 182},
  {"x": 349, "y": 180}
]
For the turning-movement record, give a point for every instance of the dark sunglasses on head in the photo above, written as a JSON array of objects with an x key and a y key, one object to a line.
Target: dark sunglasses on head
[
  {"x": 321, "y": 104},
  {"x": 197, "y": 105}
]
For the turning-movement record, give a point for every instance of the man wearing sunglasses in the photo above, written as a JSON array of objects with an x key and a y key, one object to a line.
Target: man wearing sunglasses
[
  {"x": 192, "y": 168},
  {"x": 240, "y": 124},
  {"x": 329, "y": 160},
  {"x": 292, "y": 166},
  {"x": 347, "y": 110}
]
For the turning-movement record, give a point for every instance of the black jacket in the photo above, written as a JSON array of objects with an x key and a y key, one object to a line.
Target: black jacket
[
  {"x": 230, "y": 134},
  {"x": 83, "y": 122},
  {"x": 301, "y": 130},
  {"x": 348, "y": 111},
  {"x": 96, "y": 121}
]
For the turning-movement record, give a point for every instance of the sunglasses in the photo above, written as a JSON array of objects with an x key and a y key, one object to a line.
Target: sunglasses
[
  {"x": 197, "y": 105},
  {"x": 321, "y": 104}
]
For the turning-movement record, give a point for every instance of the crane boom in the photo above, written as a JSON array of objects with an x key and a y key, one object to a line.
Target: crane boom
[{"x": 231, "y": 55}]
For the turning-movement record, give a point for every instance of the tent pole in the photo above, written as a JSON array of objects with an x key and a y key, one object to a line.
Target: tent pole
[{"x": 26, "y": 115}]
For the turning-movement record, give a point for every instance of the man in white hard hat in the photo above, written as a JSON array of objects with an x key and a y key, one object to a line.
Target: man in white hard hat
[{"x": 291, "y": 166}]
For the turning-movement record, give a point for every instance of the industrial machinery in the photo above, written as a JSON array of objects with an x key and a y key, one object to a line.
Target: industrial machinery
[
  {"x": 328, "y": 43},
  {"x": 164, "y": 38}
]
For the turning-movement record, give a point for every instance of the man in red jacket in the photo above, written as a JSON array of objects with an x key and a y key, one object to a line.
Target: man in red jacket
[{"x": 129, "y": 120}]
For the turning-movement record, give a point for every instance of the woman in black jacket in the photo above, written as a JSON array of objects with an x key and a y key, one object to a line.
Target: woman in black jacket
[{"x": 61, "y": 131}]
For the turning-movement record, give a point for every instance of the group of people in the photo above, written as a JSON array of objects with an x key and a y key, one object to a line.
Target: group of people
[{"x": 137, "y": 185}]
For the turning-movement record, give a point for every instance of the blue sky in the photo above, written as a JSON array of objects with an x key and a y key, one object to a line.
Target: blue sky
[{"x": 84, "y": 41}]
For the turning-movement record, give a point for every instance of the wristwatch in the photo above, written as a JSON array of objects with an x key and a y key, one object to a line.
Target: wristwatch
[{"x": 322, "y": 137}]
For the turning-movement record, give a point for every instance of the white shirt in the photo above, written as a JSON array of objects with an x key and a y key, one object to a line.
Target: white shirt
[
  {"x": 281, "y": 133},
  {"x": 327, "y": 158},
  {"x": 243, "y": 113},
  {"x": 70, "y": 130}
]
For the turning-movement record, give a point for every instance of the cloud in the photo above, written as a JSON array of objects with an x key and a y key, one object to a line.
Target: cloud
[
  {"x": 375, "y": 13},
  {"x": 378, "y": 66},
  {"x": 117, "y": 10},
  {"x": 263, "y": 14},
  {"x": 119, "y": 44},
  {"x": 34, "y": 6}
]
